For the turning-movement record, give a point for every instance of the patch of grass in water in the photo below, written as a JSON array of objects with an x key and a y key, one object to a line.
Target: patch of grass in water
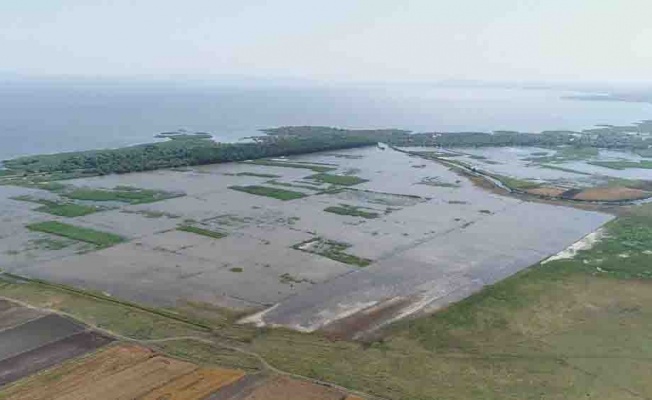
[
  {"x": 342, "y": 180},
  {"x": 294, "y": 185},
  {"x": 276, "y": 193},
  {"x": 236, "y": 269},
  {"x": 333, "y": 250},
  {"x": 271, "y": 163},
  {"x": 98, "y": 238},
  {"x": 60, "y": 208},
  {"x": 353, "y": 211},
  {"x": 436, "y": 181},
  {"x": 51, "y": 244},
  {"x": 515, "y": 183},
  {"x": 151, "y": 214},
  {"x": 621, "y": 165},
  {"x": 572, "y": 171},
  {"x": 125, "y": 194},
  {"x": 201, "y": 231},
  {"x": 287, "y": 278},
  {"x": 257, "y": 175}
]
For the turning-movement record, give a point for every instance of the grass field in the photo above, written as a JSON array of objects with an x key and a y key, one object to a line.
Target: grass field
[
  {"x": 352, "y": 211},
  {"x": 280, "y": 194},
  {"x": 98, "y": 238},
  {"x": 342, "y": 180},
  {"x": 201, "y": 231}
]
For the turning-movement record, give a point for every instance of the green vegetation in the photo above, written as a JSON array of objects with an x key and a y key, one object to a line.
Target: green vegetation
[
  {"x": 201, "y": 231},
  {"x": 125, "y": 194},
  {"x": 267, "y": 191},
  {"x": 184, "y": 150},
  {"x": 59, "y": 208},
  {"x": 236, "y": 269},
  {"x": 289, "y": 279},
  {"x": 342, "y": 180},
  {"x": 272, "y": 163},
  {"x": 620, "y": 165},
  {"x": 646, "y": 153},
  {"x": 546, "y": 332},
  {"x": 572, "y": 171},
  {"x": 515, "y": 183},
  {"x": 567, "y": 153},
  {"x": 98, "y": 238},
  {"x": 151, "y": 214},
  {"x": 436, "y": 181},
  {"x": 333, "y": 250},
  {"x": 345, "y": 209},
  {"x": 257, "y": 175},
  {"x": 294, "y": 185}
]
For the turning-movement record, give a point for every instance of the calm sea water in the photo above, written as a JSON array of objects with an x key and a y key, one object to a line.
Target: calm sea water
[{"x": 46, "y": 117}]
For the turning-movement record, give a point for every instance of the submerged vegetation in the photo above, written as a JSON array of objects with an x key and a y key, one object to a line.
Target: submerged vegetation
[
  {"x": 60, "y": 208},
  {"x": 125, "y": 194},
  {"x": 331, "y": 249},
  {"x": 342, "y": 180},
  {"x": 284, "y": 164},
  {"x": 201, "y": 231},
  {"x": 345, "y": 209},
  {"x": 620, "y": 165},
  {"x": 276, "y": 193},
  {"x": 98, "y": 238}
]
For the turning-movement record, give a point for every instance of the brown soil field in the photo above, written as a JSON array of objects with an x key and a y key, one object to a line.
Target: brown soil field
[
  {"x": 69, "y": 376},
  {"x": 25, "y": 364},
  {"x": 36, "y": 333},
  {"x": 12, "y": 314},
  {"x": 611, "y": 194},
  {"x": 133, "y": 382},
  {"x": 546, "y": 191},
  {"x": 282, "y": 388},
  {"x": 196, "y": 385}
]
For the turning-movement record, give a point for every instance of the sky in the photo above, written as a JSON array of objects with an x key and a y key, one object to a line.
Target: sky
[{"x": 331, "y": 40}]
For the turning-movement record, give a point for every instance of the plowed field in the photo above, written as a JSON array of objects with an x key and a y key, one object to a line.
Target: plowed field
[
  {"x": 196, "y": 385},
  {"x": 124, "y": 372},
  {"x": 282, "y": 388}
]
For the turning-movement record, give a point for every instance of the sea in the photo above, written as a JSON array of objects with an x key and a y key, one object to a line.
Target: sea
[{"x": 49, "y": 116}]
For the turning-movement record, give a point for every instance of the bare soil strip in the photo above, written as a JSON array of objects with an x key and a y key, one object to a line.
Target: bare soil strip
[
  {"x": 36, "y": 333},
  {"x": 25, "y": 364}
]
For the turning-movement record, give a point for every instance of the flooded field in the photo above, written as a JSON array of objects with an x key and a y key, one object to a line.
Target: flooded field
[
  {"x": 343, "y": 241},
  {"x": 547, "y": 165}
]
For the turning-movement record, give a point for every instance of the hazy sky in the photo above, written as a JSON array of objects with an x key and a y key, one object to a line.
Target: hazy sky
[{"x": 394, "y": 40}]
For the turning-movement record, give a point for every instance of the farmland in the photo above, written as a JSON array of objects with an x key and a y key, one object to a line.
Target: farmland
[{"x": 355, "y": 271}]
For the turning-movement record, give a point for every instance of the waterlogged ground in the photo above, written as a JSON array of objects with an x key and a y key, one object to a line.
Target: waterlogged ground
[
  {"x": 430, "y": 235},
  {"x": 530, "y": 163}
]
